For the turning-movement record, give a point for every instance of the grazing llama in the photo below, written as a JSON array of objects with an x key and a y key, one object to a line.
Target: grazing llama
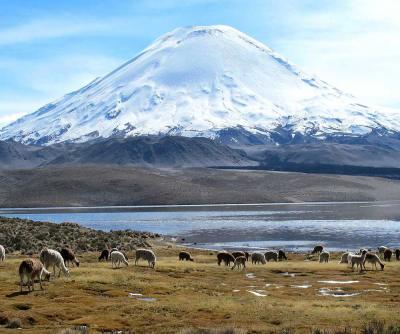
[
  {"x": 344, "y": 258},
  {"x": 324, "y": 257},
  {"x": 225, "y": 257},
  {"x": 317, "y": 249},
  {"x": 258, "y": 258},
  {"x": 2, "y": 253},
  {"x": 105, "y": 253},
  {"x": 50, "y": 257},
  {"x": 240, "y": 263},
  {"x": 146, "y": 254},
  {"x": 117, "y": 258},
  {"x": 30, "y": 269},
  {"x": 387, "y": 255},
  {"x": 374, "y": 259},
  {"x": 237, "y": 254},
  {"x": 381, "y": 249},
  {"x": 358, "y": 260},
  {"x": 69, "y": 257},
  {"x": 282, "y": 255},
  {"x": 397, "y": 253},
  {"x": 185, "y": 256},
  {"x": 271, "y": 255}
]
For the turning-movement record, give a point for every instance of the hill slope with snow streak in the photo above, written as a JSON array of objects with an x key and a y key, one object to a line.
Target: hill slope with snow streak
[{"x": 199, "y": 81}]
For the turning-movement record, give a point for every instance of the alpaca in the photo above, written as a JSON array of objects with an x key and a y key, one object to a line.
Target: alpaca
[
  {"x": 237, "y": 254},
  {"x": 240, "y": 261},
  {"x": 146, "y": 254},
  {"x": 50, "y": 257},
  {"x": 117, "y": 258},
  {"x": 317, "y": 249},
  {"x": 374, "y": 259},
  {"x": 271, "y": 255},
  {"x": 344, "y": 258},
  {"x": 387, "y": 255},
  {"x": 225, "y": 257},
  {"x": 105, "y": 253},
  {"x": 185, "y": 256},
  {"x": 32, "y": 268},
  {"x": 381, "y": 249},
  {"x": 69, "y": 256},
  {"x": 358, "y": 260},
  {"x": 258, "y": 258},
  {"x": 324, "y": 257},
  {"x": 282, "y": 255},
  {"x": 2, "y": 253}
]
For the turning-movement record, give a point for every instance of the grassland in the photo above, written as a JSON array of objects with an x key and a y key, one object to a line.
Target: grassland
[{"x": 200, "y": 295}]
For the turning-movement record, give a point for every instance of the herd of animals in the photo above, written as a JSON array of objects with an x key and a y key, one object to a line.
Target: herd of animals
[{"x": 31, "y": 269}]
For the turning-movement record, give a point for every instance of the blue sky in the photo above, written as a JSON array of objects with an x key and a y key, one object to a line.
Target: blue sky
[{"x": 49, "y": 48}]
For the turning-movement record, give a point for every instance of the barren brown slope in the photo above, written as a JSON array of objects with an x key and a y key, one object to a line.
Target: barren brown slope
[{"x": 112, "y": 185}]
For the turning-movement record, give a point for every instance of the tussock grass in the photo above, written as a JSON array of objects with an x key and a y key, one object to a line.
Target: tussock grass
[{"x": 201, "y": 296}]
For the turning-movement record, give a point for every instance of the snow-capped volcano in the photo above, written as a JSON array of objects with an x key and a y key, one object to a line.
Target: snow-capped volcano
[{"x": 198, "y": 81}]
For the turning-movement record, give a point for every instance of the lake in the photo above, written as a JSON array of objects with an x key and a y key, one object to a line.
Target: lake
[{"x": 338, "y": 226}]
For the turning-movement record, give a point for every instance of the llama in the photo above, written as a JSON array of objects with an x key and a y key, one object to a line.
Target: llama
[
  {"x": 226, "y": 258},
  {"x": 344, "y": 258},
  {"x": 271, "y": 255},
  {"x": 69, "y": 257},
  {"x": 146, "y": 254},
  {"x": 317, "y": 249},
  {"x": 387, "y": 255},
  {"x": 185, "y": 256},
  {"x": 358, "y": 260},
  {"x": 282, "y": 255},
  {"x": 2, "y": 253},
  {"x": 50, "y": 257},
  {"x": 324, "y": 257},
  {"x": 374, "y": 259},
  {"x": 105, "y": 253},
  {"x": 117, "y": 258},
  {"x": 237, "y": 254},
  {"x": 32, "y": 268},
  {"x": 381, "y": 249},
  {"x": 397, "y": 253},
  {"x": 258, "y": 258},
  {"x": 240, "y": 261}
]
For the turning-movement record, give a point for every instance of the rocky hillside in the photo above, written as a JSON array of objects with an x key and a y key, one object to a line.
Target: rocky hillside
[{"x": 29, "y": 237}]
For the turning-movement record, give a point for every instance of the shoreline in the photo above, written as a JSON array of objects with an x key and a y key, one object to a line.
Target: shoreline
[{"x": 185, "y": 207}]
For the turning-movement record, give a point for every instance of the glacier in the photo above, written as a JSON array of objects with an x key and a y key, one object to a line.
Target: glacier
[{"x": 198, "y": 81}]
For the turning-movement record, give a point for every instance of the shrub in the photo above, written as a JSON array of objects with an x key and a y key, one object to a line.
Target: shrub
[
  {"x": 14, "y": 323},
  {"x": 229, "y": 330}
]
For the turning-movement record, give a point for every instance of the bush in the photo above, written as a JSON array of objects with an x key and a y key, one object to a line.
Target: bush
[
  {"x": 14, "y": 323},
  {"x": 229, "y": 330}
]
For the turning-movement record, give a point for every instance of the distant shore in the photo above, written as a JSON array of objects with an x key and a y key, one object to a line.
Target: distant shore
[{"x": 104, "y": 185}]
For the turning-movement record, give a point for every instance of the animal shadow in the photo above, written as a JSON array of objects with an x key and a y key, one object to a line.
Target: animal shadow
[{"x": 17, "y": 293}]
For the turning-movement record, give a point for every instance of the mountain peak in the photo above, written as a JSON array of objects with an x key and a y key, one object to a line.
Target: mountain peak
[{"x": 202, "y": 81}]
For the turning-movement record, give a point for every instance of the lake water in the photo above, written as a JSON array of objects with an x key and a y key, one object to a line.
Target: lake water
[{"x": 339, "y": 226}]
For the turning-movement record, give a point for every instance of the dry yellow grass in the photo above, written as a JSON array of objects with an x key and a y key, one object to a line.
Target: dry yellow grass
[{"x": 200, "y": 294}]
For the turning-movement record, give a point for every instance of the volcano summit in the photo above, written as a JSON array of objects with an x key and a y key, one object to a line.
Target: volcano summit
[{"x": 209, "y": 81}]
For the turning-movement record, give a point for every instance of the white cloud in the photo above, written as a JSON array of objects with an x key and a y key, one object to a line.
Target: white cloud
[
  {"x": 49, "y": 28},
  {"x": 354, "y": 45}
]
